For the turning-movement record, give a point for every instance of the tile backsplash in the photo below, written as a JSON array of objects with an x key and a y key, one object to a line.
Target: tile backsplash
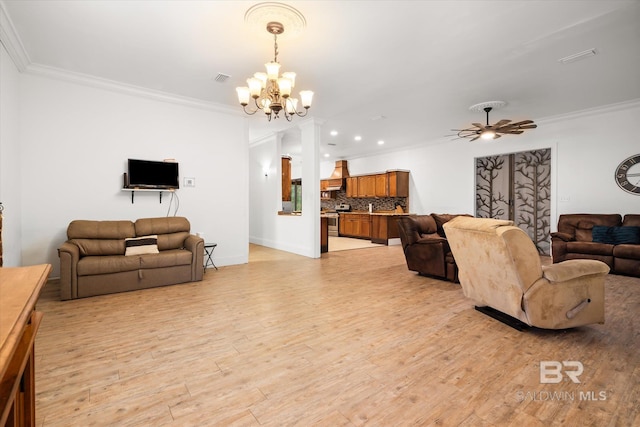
[{"x": 362, "y": 204}]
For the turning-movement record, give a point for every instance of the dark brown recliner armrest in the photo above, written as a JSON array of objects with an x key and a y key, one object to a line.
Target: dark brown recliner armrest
[{"x": 563, "y": 236}]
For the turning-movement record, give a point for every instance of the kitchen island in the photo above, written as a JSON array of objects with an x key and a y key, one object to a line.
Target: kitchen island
[{"x": 380, "y": 226}]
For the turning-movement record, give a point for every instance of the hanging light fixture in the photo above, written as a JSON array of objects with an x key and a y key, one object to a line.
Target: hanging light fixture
[{"x": 271, "y": 92}]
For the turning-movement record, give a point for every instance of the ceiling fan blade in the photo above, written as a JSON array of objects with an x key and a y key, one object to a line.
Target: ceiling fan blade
[
  {"x": 475, "y": 138},
  {"x": 511, "y": 132},
  {"x": 528, "y": 127},
  {"x": 524, "y": 122},
  {"x": 501, "y": 123},
  {"x": 497, "y": 136},
  {"x": 479, "y": 125}
]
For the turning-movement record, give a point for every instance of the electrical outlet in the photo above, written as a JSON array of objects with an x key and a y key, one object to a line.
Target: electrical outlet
[{"x": 189, "y": 182}]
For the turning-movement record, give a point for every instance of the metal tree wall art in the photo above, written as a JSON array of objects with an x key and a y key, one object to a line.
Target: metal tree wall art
[
  {"x": 491, "y": 202},
  {"x": 532, "y": 182},
  {"x": 517, "y": 187}
]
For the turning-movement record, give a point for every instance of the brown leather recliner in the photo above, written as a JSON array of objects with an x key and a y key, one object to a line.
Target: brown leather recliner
[
  {"x": 574, "y": 240},
  {"x": 577, "y": 238},
  {"x": 425, "y": 246}
]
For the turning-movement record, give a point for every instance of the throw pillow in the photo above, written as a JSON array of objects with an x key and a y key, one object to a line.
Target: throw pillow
[
  {"x": 616, "y": 235},
  {"x": 141, "y": 245}
]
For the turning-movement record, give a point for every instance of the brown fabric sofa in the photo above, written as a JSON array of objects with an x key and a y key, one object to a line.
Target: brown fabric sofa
[
  {"x": 601, "y": 237},
  {"x": 425, "y": 245},
  {"x": 93, "y": 260}
]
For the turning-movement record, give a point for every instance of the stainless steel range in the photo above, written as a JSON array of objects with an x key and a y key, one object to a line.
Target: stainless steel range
[{"x": 334, "y": 222}]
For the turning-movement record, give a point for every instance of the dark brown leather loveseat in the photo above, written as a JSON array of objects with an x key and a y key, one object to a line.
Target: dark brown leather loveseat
[
  {"x": 425, "y": 245},
  {"x": 604, "y": 237}
]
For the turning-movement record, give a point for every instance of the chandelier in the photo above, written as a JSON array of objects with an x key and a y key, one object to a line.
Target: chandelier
[{"x": 271, "y": 93}]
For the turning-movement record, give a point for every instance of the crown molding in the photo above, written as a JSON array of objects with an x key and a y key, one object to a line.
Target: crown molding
[
  {"x": 11, "y": 41},
  {"x": 114, "y": 86},
  {"x": 601, "y": 109}
]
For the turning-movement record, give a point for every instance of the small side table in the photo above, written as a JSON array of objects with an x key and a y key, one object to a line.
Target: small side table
[{"x": 208, "y": 253}]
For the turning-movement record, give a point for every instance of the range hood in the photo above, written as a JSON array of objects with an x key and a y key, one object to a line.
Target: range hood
[{"x": 337, "y": 178}]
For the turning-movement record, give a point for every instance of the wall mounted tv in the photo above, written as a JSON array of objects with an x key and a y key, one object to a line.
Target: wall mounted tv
[{"x": 152, "y": 174}]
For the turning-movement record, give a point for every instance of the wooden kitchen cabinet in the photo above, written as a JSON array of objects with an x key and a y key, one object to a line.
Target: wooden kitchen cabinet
[
  {"x": 352, "y": 186},
  {"x": 387, "y": 184},
  {"x": 398, "y": 183},
  {"x": 367, "y": 186},
  {"x": 383, "y": 228},
  {"x": 286, "y": 179},
  {"x": 355, "y": 225},
  {"x": 381, "y": 185}
]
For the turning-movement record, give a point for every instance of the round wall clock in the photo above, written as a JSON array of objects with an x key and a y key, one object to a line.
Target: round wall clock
[{"x": 628, "y": 175}]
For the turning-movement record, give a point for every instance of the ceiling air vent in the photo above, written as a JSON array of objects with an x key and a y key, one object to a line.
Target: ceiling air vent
[{"x": 221, "y": 78}]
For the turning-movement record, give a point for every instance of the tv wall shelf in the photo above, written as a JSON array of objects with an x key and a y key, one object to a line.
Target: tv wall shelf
[{"x": 159, "y": 190}]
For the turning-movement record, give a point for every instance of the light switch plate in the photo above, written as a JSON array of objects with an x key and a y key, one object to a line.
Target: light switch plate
[{"x": 189, "y": 182}]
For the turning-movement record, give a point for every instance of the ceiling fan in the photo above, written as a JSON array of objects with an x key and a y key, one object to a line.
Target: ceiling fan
[{"x": 503, "y": 127}]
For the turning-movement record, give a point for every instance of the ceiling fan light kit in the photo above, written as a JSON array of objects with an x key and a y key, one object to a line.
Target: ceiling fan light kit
[
  {"x": 271, "y": 92},
  {"x": 495, "y": 131}
]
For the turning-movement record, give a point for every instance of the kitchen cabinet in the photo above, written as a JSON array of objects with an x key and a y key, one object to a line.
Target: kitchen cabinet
[
  {"x": 384, "y": 227},
  {"x": 355, "y": 225},
  {"x": 352, "y": 186},
  {"x": 387, "y": 184},
  {"x": 367, "y": 186},
  {"x": 381, "y": 187},
  {"x": 398, "y": 183},
  {"x": 286, "y": 179}
]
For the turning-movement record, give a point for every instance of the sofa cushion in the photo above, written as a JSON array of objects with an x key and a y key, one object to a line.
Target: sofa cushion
[
  {"x": 90, "y": 247},
  {"x": 627, "y": 251},
  {"x": 168, "y": 258},
  {"x": 91, "y": 265},
  {"x": 172, "y": 240},
  {"x": 441, "y": 219},
  {"x": 631, "y": 220},
  {"x": 163, "y": 225},
  {"x": 141, "y": 245},
  {"x": 616, "y": 235},
  {"x": 87, "y": 229},
  {"x": 591, "y": 248}
]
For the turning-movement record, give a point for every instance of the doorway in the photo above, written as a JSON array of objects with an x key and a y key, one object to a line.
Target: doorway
[{"x": 517, "y": 187}]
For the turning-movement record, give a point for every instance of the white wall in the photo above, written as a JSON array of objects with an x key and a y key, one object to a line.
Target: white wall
[
  {"x": 299, "y": 234},
  {"x": 586, "y": 149},
  {"x": 9, "y": 160},
  {"x": 74, "y": 144}
]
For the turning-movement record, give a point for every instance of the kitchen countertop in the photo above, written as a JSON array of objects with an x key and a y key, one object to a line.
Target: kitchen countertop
[{"x": 382, "y": 213}]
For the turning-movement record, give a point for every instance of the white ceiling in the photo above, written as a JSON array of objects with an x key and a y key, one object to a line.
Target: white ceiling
[{"x": 419, "y": 64}]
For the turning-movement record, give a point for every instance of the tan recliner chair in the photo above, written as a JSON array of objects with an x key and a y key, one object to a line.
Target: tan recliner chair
[{"x": 499, "y": 267}]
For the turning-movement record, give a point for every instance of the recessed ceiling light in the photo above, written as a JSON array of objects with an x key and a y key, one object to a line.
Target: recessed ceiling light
[
  {"x": 357, "y": 138},
  {"x": 380, "y": 142},
  {"x": 334, "y": 132},
  {"x": 326, "y": 154}
]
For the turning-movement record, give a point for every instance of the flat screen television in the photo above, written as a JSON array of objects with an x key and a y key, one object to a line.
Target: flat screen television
[{"x": 152, "y": 174}]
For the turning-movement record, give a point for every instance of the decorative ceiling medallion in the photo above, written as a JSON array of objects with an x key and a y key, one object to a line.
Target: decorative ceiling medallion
[
  {"x": 259, "y": 15},
  {"x": 494, "y": 105}
]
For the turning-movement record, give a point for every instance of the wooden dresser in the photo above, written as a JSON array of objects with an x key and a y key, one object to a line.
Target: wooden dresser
[{"x": 20, "y": 288}]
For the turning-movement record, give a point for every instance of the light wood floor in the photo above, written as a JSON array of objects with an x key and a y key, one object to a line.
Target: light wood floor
[
  {"x": 350, "y": 339},
  {"x": 348, "y": 243}
]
